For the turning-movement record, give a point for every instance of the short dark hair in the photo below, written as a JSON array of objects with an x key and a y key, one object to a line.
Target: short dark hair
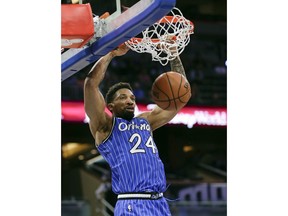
[{"x": 113, "y": 89}]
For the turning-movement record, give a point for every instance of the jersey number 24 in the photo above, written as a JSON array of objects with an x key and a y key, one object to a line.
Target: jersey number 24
[{"x": 136, "y": 139}]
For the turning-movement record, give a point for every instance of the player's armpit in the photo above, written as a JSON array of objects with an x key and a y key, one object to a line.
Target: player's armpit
[{"x": 158, "y": 117}]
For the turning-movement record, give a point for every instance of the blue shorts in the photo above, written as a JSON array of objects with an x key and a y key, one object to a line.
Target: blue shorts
[{"x": 142, "y": 207}]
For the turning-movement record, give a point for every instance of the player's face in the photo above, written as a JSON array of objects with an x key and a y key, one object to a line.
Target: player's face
[{"x": 123, "y": 104}]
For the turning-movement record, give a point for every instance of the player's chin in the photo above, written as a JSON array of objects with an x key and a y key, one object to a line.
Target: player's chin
[{"x": 128, "y": 114}]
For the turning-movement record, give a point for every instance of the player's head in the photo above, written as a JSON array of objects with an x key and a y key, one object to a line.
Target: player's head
[{"x": 120, "y": 100}]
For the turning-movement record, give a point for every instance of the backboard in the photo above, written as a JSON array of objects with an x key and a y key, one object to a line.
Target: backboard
[{"x": 120, "y": 27}]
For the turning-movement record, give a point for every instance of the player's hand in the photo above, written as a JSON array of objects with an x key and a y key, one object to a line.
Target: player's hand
[{"x": 121, "y": 50}]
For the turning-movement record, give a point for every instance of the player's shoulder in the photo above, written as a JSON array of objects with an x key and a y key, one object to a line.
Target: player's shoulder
[{"x": 143, "y": 115}]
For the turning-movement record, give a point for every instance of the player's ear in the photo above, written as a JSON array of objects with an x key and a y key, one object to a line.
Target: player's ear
[{"x": 110, "y": 106}]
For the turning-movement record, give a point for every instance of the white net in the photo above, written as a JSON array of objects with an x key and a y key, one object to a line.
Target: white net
[{"x": 166, "y": 39}]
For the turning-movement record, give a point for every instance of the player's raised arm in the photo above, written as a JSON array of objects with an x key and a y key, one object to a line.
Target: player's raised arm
[
  {"x": 159, "y": 117},
  {"x": 177, "y": 66},
  {"x": 94, "y": 102}
]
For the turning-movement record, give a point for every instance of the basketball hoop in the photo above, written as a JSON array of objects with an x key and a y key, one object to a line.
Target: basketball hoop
[{"x": 164, "y": 40}]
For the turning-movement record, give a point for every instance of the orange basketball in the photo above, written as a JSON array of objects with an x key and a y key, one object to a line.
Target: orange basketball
[{"x": 171, "y": 91}]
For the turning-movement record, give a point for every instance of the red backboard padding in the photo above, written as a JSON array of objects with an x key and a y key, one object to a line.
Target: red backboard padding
[{"x": 77, "y": 26}]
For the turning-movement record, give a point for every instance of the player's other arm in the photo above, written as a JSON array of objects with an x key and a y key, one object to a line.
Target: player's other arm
[
  {"x": 177, "y": 66},
  {"x": 159, "y": 117},
  {"x": 94, "y": 102}
]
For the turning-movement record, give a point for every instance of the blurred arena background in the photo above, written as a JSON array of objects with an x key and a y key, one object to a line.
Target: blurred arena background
[{"x": 195, "y": 158}]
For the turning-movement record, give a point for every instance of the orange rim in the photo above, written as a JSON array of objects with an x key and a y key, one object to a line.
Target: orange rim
[
  {"x": 165, "y": 19},
  {"x": 172, "y": 19},
  {"x": 136, "y": 40}
]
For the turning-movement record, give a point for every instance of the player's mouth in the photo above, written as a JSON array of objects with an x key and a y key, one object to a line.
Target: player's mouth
[{"x": 130, "y": 109}]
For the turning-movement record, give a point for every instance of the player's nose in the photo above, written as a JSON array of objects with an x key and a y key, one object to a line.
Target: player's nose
[{"x": 130, "y": 101}]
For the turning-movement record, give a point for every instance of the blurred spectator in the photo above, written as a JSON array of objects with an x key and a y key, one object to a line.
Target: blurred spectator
[{"x": 138, "y": 91}]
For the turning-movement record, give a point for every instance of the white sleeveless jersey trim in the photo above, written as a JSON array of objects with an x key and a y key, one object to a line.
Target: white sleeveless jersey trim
[{"x": 113, "y": 123}]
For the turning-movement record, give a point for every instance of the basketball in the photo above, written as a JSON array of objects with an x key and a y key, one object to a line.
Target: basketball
[{"x": 171, "y": 91}]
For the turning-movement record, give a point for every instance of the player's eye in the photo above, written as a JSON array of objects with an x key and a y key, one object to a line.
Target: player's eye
[{"x": 122, "y": 97}]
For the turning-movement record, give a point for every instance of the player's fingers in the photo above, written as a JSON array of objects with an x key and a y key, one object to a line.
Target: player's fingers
[{"x": 123, "y": 46}]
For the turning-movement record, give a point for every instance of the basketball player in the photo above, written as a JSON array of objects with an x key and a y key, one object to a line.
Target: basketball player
[{"x": 126, "y": 141}]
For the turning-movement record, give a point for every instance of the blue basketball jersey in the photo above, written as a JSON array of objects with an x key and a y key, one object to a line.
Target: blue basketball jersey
[{"x": 133, "y": 157}]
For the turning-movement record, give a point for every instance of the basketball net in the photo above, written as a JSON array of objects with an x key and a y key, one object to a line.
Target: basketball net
[{"x": 164, "y": 40}]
